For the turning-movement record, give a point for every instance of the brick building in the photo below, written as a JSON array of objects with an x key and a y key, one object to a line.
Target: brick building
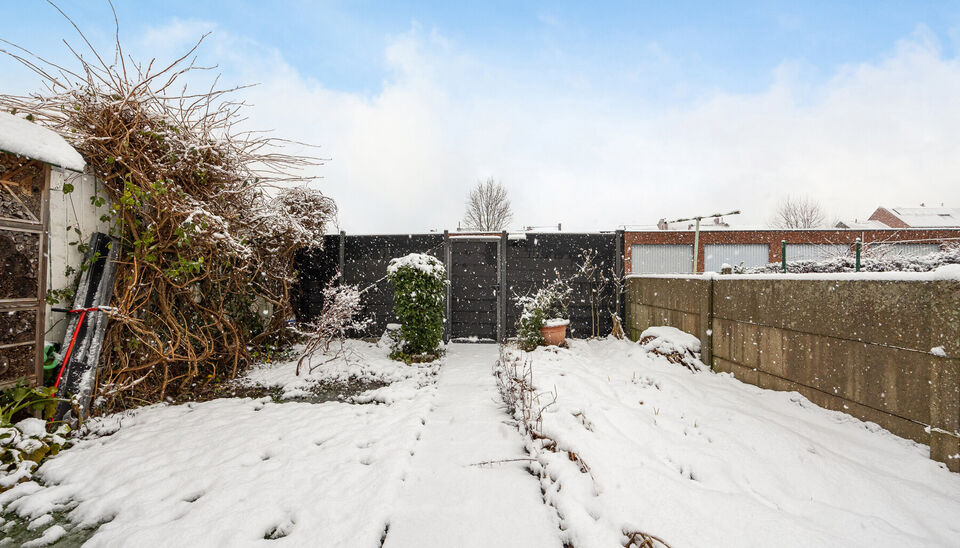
[
  {"x": 918, "y": 217},
  {"x": 671, "y": 251}
]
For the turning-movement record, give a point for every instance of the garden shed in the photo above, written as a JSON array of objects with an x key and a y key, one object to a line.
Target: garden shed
[{"x": 33, "y": 160}]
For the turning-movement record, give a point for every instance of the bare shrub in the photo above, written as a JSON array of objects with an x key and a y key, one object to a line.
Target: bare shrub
[{"x": 337, "y": 319}]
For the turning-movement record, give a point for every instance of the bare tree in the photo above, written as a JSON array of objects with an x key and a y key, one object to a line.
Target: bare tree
[
  {"x": 799, "y": 213},
  {"x": 488, "y": 207}
]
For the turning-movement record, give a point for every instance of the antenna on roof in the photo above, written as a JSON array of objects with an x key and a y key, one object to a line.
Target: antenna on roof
[{"x": 696, "y": 235}]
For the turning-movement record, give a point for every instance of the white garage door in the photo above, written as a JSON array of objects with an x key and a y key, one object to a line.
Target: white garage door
[
  {"x": 904, "y": 250},
  {"x": 816, "y": 252},
  {"x": 661, "y": 259},
  {"x": 715, "y": 255}
]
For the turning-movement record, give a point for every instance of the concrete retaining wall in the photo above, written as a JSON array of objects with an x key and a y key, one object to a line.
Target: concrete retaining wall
[{"x": 853, "y": 345}]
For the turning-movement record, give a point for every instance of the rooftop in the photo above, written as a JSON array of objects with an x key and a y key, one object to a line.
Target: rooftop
[{"x": 928, "y": 216}]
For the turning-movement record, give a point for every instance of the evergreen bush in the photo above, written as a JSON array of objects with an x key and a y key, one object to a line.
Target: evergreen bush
[{"x": 419, "y": 287}]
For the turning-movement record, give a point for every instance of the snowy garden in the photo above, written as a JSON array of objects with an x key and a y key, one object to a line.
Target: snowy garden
[
  {"x": 407, "y": 441},
  {"x": 603, "y": 443}
]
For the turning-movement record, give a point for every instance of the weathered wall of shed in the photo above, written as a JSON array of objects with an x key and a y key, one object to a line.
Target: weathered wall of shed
[{"x": 70, "y": 213}]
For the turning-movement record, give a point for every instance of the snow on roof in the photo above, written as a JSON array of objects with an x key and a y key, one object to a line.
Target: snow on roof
[
  {"x": 856, "y": 224},
  {"x": 928, "y": 216},
  {"x": 24, "y": 138}
]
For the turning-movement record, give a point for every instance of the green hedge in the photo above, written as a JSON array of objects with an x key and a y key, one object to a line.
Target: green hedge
[{"x": 419, "y": 287}]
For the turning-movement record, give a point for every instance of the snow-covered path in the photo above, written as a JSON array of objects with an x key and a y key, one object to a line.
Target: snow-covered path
[{"x": 450, "y": 500}]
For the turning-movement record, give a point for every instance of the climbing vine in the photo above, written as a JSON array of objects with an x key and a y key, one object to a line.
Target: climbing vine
[{"x": 208, "y": 217}]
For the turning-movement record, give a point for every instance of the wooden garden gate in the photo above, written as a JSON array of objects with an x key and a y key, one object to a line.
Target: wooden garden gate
[{"x": 473, "y": 302}]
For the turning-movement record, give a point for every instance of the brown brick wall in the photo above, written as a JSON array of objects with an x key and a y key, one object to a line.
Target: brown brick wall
[
  {"x": 886, "y": 217},
  {"x": 773, "y": 238}
]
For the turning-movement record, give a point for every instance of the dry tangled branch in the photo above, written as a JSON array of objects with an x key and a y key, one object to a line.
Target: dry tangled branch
[
  {"x": 207, "y": 232},
  {"x": 638, "y": 539},
  {"x": 337, "y": 319},
  {"x": 523, "y": 401}
]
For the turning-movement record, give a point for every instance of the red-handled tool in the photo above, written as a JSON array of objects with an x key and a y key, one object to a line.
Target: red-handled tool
[{"x": 76, "y": 330}]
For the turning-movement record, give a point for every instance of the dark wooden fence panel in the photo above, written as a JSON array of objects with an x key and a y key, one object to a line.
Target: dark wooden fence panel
[
  {"x": 365, "y": 260},
  {"x": 537, "y": 259},
  {"x": 532, "y": 261}
]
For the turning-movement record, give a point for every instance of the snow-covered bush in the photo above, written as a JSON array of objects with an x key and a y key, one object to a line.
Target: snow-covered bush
[
  {"x": 549, "y": 302},
  {"x": 874, "y": 259},
  {"x": 24, "y": 441},
  {"x": 338, "y": 318},
  {"x": 419, "y": 287},
  {"x": 391, "y": 338},
  {"x": 24, "y": 445},
  {"x": 676, "y": 346}
]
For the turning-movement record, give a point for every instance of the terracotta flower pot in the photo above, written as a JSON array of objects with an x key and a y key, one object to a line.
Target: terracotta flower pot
[{"x": 554, "y": 332}]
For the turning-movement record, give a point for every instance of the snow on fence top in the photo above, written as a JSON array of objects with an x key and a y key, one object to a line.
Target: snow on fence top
[
  {"x": 24, "y": 138},
  {"x": 419, "y": 261}
]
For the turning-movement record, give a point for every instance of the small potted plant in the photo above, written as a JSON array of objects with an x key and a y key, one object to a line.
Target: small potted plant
[
  {"x": 543, "y": 316},
  {"x": 554, "y": 331}
]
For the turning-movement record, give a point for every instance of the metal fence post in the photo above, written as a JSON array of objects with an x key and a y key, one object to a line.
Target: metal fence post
[
  {"x": 502, "y": 288},
  {"x": 448, "y": 263},
  {"x": 783, "y": 256},
  {"x": 858, "y": 254},
  {"x": 343, "y": 244},
  {"x": 618, "y": 263}
]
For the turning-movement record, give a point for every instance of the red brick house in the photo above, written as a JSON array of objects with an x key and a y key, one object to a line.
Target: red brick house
[{"x": 918, "y": 217}]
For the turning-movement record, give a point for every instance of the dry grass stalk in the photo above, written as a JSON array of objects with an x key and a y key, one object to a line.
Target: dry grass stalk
[{"x": 639, "y": 539}]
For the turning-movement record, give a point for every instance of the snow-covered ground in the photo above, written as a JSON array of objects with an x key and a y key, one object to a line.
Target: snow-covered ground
[
  {"x": 354, "y": 473},
  {"x": 631, "y": 443},
  {"x": 469, "y": 483},
  {"x": 236, "y": 472},
  {"x": 701, "y": 459},
  {"x": 360, "y": 364}
]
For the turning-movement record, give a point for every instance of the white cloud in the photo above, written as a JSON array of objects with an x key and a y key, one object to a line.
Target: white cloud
[
  {"x": 872, "y": 134},
  {"x": 402, "y": 159}
]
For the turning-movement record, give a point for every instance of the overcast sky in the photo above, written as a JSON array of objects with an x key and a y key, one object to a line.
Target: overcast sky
[{"x": 595, "y": 115}]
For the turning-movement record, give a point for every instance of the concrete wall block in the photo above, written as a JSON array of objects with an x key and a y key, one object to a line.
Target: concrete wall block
[
  {"x": 691, "y": 324},
  {"x": 896, "y": 425},
  {"x": 861, "y": 347},
  {"x": 943, "y": 320},
  {"x": 751, "y": 345},
  {"x": 771, "y": 357},
  {"x": 945, "y": 394},
  {"x": 773, "y": 382},
  {"x": 722, "y": 338},
  {"x": 946, "y": 449},
  {"x": 743, "y": 374}
]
